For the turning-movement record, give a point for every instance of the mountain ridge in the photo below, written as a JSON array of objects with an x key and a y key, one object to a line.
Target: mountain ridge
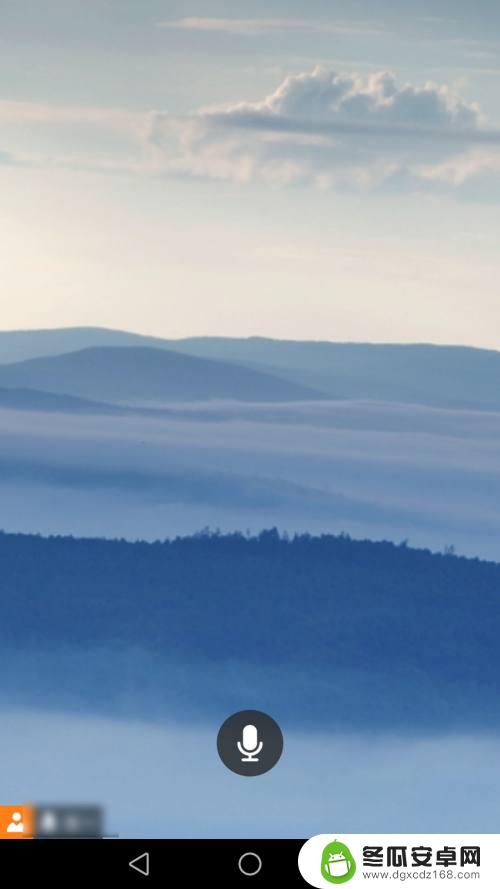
[
  {"x": 376, "y": 634},
  {"x": 140, "y": 374},
  {"x": 452, "y": 376}
]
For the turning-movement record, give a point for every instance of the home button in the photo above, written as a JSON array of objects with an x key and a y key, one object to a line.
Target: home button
[{"x": 250, "y": 864}]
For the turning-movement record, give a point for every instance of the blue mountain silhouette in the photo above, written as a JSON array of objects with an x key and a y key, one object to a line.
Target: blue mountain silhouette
[
  {"x": 446, "y": 376},
  {"x": 325, "y": 630},
  {"x": 137, "y": 374}
]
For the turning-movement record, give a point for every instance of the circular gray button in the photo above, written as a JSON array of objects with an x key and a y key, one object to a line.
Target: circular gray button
[
  {"x": 250, "y": 864},
  {"x": 250, "y": 743}
]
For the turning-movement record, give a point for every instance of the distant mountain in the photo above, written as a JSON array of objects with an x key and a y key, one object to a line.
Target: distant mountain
[
  {"x": 444, "y": 376},
  {"x": 21, "y": 345},
  {"x": 322, "y": 630},
  {"x": 31, "y": 400},
  {"x": 138, "y": 375}
]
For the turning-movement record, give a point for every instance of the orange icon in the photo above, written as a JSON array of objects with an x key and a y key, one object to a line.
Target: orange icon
[{"x": 16, "y": 822}]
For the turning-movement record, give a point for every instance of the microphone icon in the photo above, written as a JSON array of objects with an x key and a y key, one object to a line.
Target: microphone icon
[
  {"x": 250, "y": 746},
  {"x": 242, "y": 738}
]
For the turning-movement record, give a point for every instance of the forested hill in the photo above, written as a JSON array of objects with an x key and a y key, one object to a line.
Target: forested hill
[{"x": 331, "y": 610}]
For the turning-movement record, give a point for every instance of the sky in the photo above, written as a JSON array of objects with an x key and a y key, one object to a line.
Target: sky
[{"x": 310, "y": 169}]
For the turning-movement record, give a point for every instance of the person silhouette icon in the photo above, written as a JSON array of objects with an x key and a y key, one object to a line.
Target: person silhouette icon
[{"x": 16, "y": 825}]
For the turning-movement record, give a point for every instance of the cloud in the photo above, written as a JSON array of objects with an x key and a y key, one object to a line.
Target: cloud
[
  {"x": 318, "y": 128},
  {"x": 335, "y": 130},
  {"x": 42, "y": 134},
  {"x": 255, "y": 26}
]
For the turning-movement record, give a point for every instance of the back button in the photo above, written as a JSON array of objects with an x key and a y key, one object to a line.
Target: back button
[{"x": 141, "y": 864}]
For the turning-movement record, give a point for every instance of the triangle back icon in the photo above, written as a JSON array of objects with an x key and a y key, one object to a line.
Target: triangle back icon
[{"x": 141, "y": 864}]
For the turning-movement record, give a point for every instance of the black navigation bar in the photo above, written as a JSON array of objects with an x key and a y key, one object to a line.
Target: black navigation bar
[{"x": 231, "y": 863}]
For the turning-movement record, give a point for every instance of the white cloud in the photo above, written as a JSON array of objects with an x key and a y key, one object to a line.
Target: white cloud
[
  {"x": 257, "y": 26},
  {"x": 320, "y": 128},
  {"x": 334, "y": 130}
]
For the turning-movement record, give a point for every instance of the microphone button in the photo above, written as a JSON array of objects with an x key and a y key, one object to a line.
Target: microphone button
[{"x": 250, "y": 743}]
